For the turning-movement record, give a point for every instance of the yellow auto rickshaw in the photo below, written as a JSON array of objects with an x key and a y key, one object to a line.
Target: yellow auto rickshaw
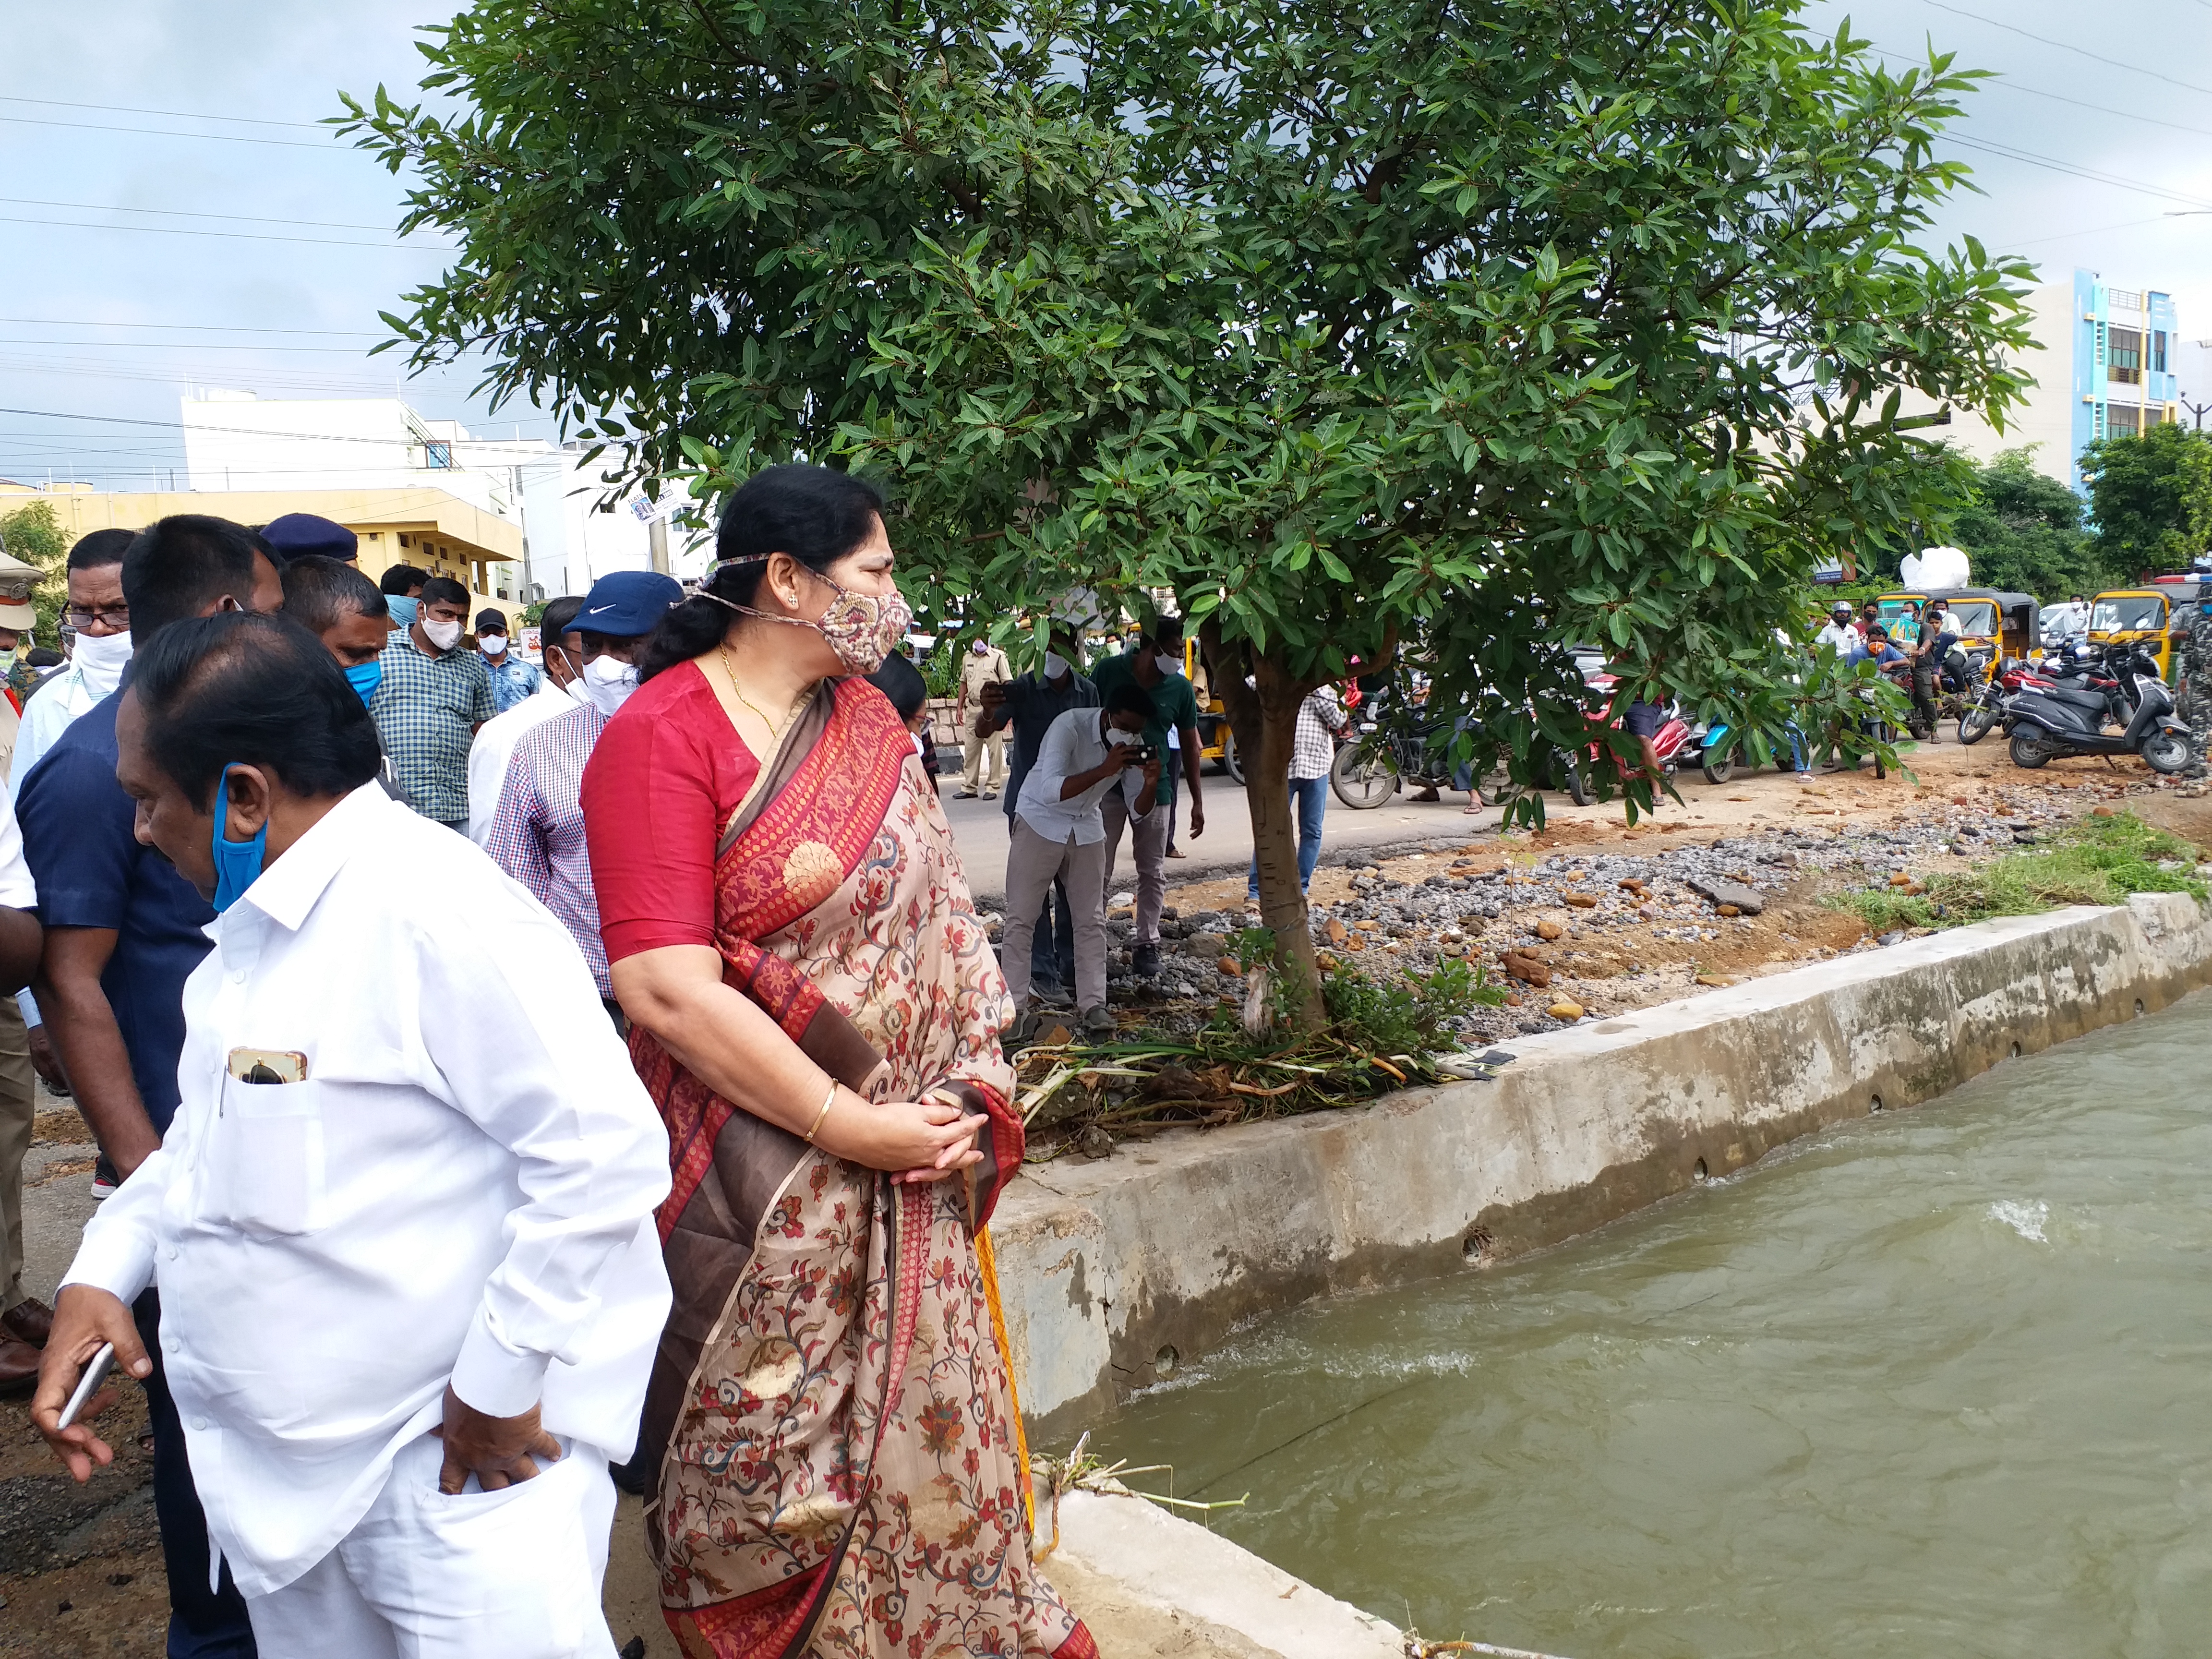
[
  {"x": 1218, "y": 743},
  {"x": 2153, "y": 616},
  {"x": 1990, "y": 622}
]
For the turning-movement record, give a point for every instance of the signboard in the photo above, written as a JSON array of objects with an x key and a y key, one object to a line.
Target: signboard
[{"x": 532, "y": 646}]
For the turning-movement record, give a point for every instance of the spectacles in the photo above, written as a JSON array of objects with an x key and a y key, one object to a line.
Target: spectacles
[{"x": 115, "y": 616}]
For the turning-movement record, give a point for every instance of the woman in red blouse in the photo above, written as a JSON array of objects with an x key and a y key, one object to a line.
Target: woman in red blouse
[{"x": 817, "y": 1010}]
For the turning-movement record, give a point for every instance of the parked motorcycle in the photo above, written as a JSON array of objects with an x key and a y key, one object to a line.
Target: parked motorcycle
[
  {"x": 1388, "y": 750},
  {"x": 1669, "y": 743},
  {"x": 2064, "y": 720}
]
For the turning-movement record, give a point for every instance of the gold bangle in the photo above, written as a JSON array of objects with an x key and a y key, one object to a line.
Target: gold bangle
[{"x": 828, "y": 1101}]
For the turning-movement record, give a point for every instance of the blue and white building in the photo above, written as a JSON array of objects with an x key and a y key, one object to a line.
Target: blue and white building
[{"x": 2107, "y": 363}]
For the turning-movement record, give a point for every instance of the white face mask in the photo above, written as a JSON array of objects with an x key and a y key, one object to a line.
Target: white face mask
[
  {"x": 100, "y": 657},
  {"x": 492, "y": 645},
  {"x": 608, "y": 681},
  {"x": 1168, "y": 664},
  {"x": 1055, "y": 665},
  {"x": 443, "y": 634}
]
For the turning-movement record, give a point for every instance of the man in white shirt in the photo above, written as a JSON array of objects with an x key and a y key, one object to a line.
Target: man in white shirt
[
  {"x": 403, "y": 1219},
  {"x": 23, "y": 1321},
  {"x": 102, "y": 621},
  {"x": 560, "y": 692},
  {"x": 1838, "y": 635},
  {"x": 1059, "y": 832}
]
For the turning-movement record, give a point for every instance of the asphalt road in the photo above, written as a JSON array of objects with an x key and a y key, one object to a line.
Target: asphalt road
[{"x": 979, "y": 827}]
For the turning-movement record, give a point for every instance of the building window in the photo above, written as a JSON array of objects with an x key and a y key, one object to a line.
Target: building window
[
  {"x": 2125, "y": 356},
  {"x": 440, "y": 455},
  {"x": 2158, "y": 350},
  {"x": 2123, "y": 420}
]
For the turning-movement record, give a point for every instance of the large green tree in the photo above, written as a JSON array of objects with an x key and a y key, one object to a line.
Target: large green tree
[
  {"x": 2021, "y": 530},
  {"x": 2150, "y": 497},
  {"x": 1487, "y": 325}
]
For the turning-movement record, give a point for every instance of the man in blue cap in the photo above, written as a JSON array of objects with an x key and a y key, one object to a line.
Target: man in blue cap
[
  {"x": 302, "y": 535},
  {"x": 536, "y": 832}
]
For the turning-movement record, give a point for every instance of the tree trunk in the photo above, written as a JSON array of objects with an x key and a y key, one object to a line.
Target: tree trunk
[{"x": 1265, "y": 717}]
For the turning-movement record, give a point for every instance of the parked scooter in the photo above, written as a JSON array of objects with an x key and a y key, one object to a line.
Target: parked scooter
[
  {"x": 1670, "y": 743},
  {"x": 2062, "y": 721}
]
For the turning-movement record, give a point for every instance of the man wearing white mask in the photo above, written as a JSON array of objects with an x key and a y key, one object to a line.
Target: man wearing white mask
[
  {"x": 537, "y": 834},
  {"x": 560, "y": 689},
  {"x": 511, "y": 679},
  {"x": 430, "y": 703},
  {"x": 102, "y": 623}
]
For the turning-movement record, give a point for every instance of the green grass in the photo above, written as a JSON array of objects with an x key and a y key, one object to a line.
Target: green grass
[{"x": 2093, "y": 860}]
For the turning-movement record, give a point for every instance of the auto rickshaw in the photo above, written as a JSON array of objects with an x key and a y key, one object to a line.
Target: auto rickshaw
[
  {"x": 2153, "y": 616},
  {"x": 1217, "y": 742},
  {"x": 1991, "y": 624}
]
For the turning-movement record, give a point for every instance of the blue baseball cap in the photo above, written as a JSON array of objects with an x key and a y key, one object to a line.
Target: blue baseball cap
[
  {"x": 302, "y": 535},
  {"x": 627, "y": 602}
]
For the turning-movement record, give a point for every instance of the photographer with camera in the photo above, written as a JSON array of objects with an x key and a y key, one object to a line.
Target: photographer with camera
[{"x": 1060, "y": 832}]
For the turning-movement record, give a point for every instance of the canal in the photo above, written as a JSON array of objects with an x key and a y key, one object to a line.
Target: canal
[{"x": 1938, "y": 1383}]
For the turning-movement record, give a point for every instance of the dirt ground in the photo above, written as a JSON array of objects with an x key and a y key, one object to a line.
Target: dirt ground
[
  {"x": 80, "y": 1568},
  {"x": 1641, "y": 963}
]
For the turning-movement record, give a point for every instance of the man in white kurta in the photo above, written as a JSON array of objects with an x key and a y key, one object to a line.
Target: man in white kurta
[{"x": 460, "y": 1191}]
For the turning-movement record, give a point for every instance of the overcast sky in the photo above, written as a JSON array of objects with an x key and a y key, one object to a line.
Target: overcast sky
[{"x": 106, "y": 309}]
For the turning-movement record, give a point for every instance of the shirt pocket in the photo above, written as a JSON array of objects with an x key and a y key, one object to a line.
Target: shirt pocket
[{"x": 263, "y": 1168}]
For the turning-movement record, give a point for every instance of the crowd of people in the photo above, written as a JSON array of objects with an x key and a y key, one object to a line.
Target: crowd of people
[{"x": 511, "y": 1078}]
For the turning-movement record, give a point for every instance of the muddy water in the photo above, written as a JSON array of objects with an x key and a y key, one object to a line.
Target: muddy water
[{"x": 1936, "y": 1384}]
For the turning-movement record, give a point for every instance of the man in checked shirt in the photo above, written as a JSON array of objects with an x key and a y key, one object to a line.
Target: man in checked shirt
[
  {"x": 536, "y": 833},
  {"x": 1313, "y": 751}
]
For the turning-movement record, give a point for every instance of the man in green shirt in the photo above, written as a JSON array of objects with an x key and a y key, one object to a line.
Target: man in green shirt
[{"x": 1154, "y": 665}]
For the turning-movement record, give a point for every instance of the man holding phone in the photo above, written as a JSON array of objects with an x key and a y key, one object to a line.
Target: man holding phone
[
  {"x": 1059, "y": 832},
  {"x": 407, "y": 1255}
]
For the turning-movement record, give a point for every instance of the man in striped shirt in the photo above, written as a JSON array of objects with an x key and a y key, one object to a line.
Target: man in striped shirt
[
  {"x": 1313, "y": 751},
  {"x": 536, "y": 832}
]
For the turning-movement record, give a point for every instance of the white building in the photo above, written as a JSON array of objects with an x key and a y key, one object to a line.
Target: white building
[{"x": 235, "y": 442}]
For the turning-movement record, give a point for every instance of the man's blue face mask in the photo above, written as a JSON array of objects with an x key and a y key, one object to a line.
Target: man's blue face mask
[
  {"x": 402, "y": 610},
  {"x": 366, "y": 677},
  {"x": 237, "y": 863}
]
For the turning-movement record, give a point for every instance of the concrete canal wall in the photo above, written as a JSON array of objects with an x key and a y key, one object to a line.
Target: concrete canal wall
[{"x": 1113, "y": 1271}]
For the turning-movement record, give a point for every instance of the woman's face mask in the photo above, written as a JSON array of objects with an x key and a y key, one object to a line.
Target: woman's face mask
[{"x": 862, "y": 629}]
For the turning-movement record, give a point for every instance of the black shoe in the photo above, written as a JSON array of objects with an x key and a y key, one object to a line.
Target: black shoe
[{"x": 1144, "y": 961}]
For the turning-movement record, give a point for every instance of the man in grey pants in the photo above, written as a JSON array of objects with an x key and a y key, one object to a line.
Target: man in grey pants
[{"x": 1059, "y": 831}]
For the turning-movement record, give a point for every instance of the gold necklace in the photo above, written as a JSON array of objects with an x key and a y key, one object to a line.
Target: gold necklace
[{"x": 774, "y": 731}]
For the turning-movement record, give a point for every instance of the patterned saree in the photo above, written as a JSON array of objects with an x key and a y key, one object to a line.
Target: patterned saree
[{"x": 835, "y": 1437}]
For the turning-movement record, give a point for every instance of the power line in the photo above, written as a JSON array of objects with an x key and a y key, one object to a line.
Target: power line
[
  {"x": 2094, "y": 230},
  {"x": 230, "y": 235},
  {"x": 182, "y": 213},
  {"x": 2090, "y": 173},
  {"x": 211, "y": 328},
  {"x": 236, "y": 431},
  {"x": 156, "y": 132},
  {"x": 188, "y": 345},
  {"x": 182, "y": 114},
  {"x": 1892, "y": 56},
  {"x": 2068, "y": 45}
]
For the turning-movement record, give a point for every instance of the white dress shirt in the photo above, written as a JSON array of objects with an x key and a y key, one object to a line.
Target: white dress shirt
[
  {"x": 1074, "y": 743},
  {"x": 494, "y": 746},
  {"x": 1842, "y": 636},
  {"x": 462, "y": 1190},
  {"x": 59, "y": 701},
  {"x": 17, "y": 890}
]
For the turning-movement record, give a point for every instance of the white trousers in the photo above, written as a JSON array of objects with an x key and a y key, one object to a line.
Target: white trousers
[
  {"x": 1032, "y": 862},
  {"x": 516, "y": 1573}
]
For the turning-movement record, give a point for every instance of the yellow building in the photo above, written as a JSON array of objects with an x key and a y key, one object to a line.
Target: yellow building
[{"x": 427, "y": 528}]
